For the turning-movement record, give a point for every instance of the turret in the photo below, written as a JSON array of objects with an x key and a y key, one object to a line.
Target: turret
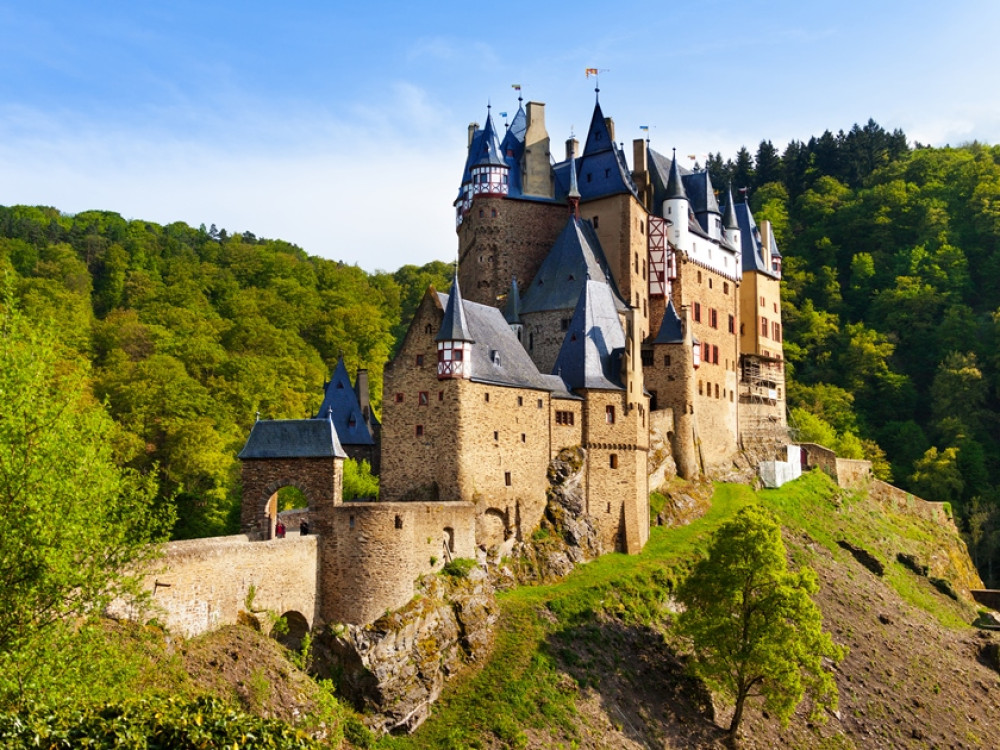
[
  {"x": 489, "y": 170},
  {"x": 730, "y": 225},
  {"x": 769, "y": 248},
  {"x": 454, "y": 342},
  {"x": 676, "y": 207}
]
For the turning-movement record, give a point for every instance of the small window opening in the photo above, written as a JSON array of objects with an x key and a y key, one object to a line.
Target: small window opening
[{"x": 399, "y": 522}]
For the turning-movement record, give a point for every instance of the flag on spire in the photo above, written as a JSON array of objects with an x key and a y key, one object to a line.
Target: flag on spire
[
  {"x": 644, "y": 127},
  {"x": 516, "y": 86},
  {"x": 591, "y": 72}
]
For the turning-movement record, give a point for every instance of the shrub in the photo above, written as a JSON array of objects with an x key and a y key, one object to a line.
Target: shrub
[{"x": 460, "y": 567}]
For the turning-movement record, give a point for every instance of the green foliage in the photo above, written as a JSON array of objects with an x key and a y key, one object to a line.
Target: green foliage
[
  {"x": 359, "y": 482},
  {"x": 74, "y": 520},
  {"x": 754, "y": 628},
  {"x": 148, "y": 723},
  {"x": 460, "y": 567}
]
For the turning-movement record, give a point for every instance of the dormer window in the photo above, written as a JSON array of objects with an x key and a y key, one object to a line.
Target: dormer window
[{"x": 495, "y": 357}]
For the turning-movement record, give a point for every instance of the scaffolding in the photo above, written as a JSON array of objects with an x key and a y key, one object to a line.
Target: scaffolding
[{"x": 763, "y": 429}]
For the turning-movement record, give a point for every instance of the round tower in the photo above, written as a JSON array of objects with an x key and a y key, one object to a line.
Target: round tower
[{"x": 454, "y": 343}]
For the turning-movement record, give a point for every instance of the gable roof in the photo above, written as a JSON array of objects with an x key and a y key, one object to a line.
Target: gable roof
[
  {"x": 292, "y": 438},
  {"x": 753, "y": 258},
  {"x": 575, "y": 257},
  {"x": 340, "y": 403},
  {"x": 497, "y": 355},
  {"x": 591, "y": 352}
]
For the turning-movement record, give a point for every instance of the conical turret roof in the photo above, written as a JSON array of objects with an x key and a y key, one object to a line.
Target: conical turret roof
[
  {"x": 454, "y": 326},
  {"x": 675, "y": 185},
  {"x": 340, "y": 404},
  {"x": 729, "y": 217},
  {"x": 591, "y": 352},
  {"x": 671, "y": 331}
]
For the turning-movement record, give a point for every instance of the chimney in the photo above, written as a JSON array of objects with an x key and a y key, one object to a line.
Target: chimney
[
  {"x": 765, "y": 239},
  {"x": 638, "y": 156},
  {"x": 473, "y": 127},
  {"x": 572, "y": 148},
  {"x": 610, "y": 125},
  {"x": 361, "y": 391},
  {"x": 537, "y": 168}
]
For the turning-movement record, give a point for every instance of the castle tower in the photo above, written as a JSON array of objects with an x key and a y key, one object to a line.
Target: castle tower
[
  {"x": 454, "y": 343},
  {"x": 676, "y": 207},
  {"x": 730, "y": 225}
]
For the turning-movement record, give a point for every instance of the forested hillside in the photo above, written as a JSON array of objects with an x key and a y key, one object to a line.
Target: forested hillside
[
  {"x": 190, "y": 333},
  {"x": 892, "y": 307},
  {"x": 891, "y": 311}
]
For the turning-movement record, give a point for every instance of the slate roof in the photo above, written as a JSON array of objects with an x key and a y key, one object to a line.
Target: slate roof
[
  {"x": 512, "y": 149},
  {"x": 454, "y": 326},
  {"x": 671, "y": 331},
  {"x": 341, "y": 401},
  {"x": 698, "y": 186},
  {"x": 488, "y": 150},
  {"x": 675, "y": 180},
  {"x": 602, "y": 169},
  {"x": 591, "y": 352},
  {"x": 292, "y": 438},
  {"x": 497, "y": 355},
  {"x": 729, "y": 217},
  {"x": 575, "y": 257},
  {"x": 753, "y": 260}
]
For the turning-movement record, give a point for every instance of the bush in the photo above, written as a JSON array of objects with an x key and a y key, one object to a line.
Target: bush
[
  {"x": 359, "y": 482},
  {"x": 460, "y": 567},
  {"x": 141, "y": 724}
]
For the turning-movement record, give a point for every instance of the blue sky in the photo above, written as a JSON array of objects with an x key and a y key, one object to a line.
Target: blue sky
[{"x": 341, "y": 127}]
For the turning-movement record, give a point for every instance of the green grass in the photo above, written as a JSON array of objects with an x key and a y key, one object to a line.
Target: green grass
[{"x": 543, "y": 629}]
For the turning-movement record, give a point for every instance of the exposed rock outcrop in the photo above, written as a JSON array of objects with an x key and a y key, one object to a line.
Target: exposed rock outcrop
[{"x": 395, "y": 668}]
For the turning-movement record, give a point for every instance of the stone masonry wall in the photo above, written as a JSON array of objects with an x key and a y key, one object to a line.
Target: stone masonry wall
[
  {"x": 202, "y": 584},
  {"x": 853, "y": 472},
  {"x": 419, "y": 467},
  {"x": 319, "y": 479},
  {"x": 543, "y": 336},
  {"x": 715, "y": 409},
  {"x": 379, "y": 549},
  {"x": 504, "y": 238}
]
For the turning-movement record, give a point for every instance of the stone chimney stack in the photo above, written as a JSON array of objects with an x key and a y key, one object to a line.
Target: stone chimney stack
[
  {"x": 572, "y": 148},
  {"x": 473, "y": 127},
  {"x": 537, "y": 170}
]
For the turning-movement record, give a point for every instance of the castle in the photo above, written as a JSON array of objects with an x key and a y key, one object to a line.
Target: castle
[{"x": 593, "y": 306}]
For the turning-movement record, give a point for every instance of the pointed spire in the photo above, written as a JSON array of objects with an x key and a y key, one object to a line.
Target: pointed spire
[
  {"x": 454, "y": 327},
  {"x": 671, "y": 331},
  {"x": 512, "y": 309},
  {"x": 729, "y": 218},
  {"x": 675, "y": 185}
]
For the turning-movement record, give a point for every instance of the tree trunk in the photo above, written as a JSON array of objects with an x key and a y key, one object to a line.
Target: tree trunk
[{"x": 734, "y": 725}]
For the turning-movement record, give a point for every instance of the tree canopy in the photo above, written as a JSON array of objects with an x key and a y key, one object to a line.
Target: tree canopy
[{"x": 753, "y": 626}]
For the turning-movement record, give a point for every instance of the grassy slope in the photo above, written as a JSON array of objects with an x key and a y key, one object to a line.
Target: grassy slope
[{"x": 582, "y": 663}]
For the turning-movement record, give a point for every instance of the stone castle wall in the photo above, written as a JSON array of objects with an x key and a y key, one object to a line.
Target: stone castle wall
[
  {"x": 319, "y": 479},
  {"x": 202, "y": 584}
]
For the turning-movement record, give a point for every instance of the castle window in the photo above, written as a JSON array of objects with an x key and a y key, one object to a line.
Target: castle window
[
  {"x": 480, "y": 213},
  {"x": 399, "y": 522},
  {"x": 713, "y": 318},
  {"x": 716, "y": 390},
  {"x": 350, "y": 521},
  {"x": 440, "y": 395},
  {"x": 715, "y": 354},
  {"x": 506, "y": 478},
  {"x": 697, "y": 311},
  {"x": 564, "y": 324},
  {"x": 609, "y": 414},
  {"x": 647, "y": 358},
  {"x": 709, "y": 282},
  {"x": 420, "y": 430},
  {"x": 614, "y": 461},
  {"x": 399, "y": 398},
  {"x": 763, "y": 302},
  {"x": 524, "y": 438},
  {"x": 590, "y": 176},
  {"x": 596, "y": 221},
  {"x": 730, "y": 396},
  {"x": 652, "y": 400},
  {"x": 725, "y": 287},
  {"x": 776, "y": 331},
  {"x": 732, "y": 324},
  {"x": 496, "y": 435},
  {"x": 776, "y": 307},
  {"x": 742, "y": 328},
  {"x": 493, "y": 213},
  {"x": 763, "y": 326},
  {"x": 644, "y": 311},
  {"x": 699, "y": 387},
  {"x": 428, "y": 328},
  {"x": 520, "y": 400},
  {"x": 486, "y": 397},
  {"x": 609, "y": 508},
  {"x": 636, "y": 262},
  {"x": 607, "y": 173},
  {"x": 564, "y": 418},
  {"x": 666, "y": 360},
  {"x": 642, "y": 227},
  {"x": 539, "y": 403},
  {"x": 423, "y": 398},
  {"x": 420, "y": 360},
  {"x": 707, "y": 356},
  {"x": 531, "y": 341},
  {"x": 699, "y": 277}
]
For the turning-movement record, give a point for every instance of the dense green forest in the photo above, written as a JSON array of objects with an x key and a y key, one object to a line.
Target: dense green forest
[
  {"x": 891, "y": 314},
  {"x": 187, "y": 334},
  {"x": 891, "y": 307}
]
